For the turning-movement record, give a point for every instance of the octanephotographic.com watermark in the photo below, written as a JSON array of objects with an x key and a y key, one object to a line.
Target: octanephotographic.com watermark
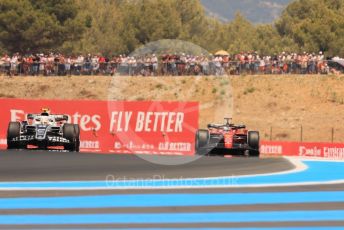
[{"x": 162, "y": 181}]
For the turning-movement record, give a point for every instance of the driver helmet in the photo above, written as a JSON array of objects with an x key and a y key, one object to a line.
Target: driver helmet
[
  {"x": 226, "y": 128},
  {"x": 45, "y": 112}
]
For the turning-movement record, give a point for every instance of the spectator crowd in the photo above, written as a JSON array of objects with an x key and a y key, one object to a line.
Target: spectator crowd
[{"x": 169, "y": 64}]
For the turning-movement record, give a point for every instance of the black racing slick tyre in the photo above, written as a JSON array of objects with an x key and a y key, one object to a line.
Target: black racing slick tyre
[
  {"x": 201, "y": 141},
  {"x": 13, "y": 131},
  {"x": 69, "y": 134},
  {"x": 77, "y": 137},
  {"x": 253, "y": 143}
]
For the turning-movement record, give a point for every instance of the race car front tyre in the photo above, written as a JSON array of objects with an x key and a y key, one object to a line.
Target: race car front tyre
[
  {"x": 253, "y": 142},
  {"x": 77, "y": 137},
  {"x": 201, "y": 141},
  {"x": 13, "y": 131},
  {"x": 69, "y": 134}
]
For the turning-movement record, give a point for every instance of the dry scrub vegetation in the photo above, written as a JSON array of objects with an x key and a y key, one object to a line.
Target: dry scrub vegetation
[{"x": 281, "y": 102}]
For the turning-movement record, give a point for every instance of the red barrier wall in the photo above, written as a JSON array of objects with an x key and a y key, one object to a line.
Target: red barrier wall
[
  {"x": 118, "y": 126},
  {"x": 143, "y": 127},
  {"x": 334, "y": 151}
]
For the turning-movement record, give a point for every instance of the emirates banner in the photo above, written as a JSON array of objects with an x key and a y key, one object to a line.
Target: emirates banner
[
  {"x": 333, "y": 151},
  {"x": 141, "y": 127}
]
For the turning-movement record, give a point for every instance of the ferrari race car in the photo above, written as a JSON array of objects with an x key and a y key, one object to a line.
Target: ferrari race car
[
  {"x": 44, "y": 130},
  {"x": 223, "y": 139}
]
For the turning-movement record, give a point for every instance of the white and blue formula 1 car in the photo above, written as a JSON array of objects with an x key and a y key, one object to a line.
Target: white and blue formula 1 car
[{"x": 43, "y": 131}]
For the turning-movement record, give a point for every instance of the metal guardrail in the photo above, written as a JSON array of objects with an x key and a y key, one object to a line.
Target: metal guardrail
[{"x": 303, "y": 133}]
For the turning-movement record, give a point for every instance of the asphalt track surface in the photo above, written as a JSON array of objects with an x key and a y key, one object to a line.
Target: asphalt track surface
[
  {"x": 65, "y": 166},
  {"x": 18, "y": 209}
]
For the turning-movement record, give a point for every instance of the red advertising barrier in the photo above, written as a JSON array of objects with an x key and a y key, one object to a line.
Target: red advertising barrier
[
  {"x": 333, "y": 151},
  {"x": 116, "y": 126}
]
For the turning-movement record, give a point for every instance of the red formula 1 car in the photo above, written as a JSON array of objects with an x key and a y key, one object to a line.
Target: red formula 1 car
[{"x": 227, "y": 139}]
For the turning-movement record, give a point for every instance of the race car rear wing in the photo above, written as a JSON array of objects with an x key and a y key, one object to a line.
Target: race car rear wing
[{"x": 232, "y": 126}]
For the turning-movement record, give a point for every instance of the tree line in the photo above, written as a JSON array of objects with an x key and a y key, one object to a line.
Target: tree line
[{"x": 120, "y": 26}]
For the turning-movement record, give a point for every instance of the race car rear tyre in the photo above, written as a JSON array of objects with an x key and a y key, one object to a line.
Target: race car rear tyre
[
  {"x": 201, "y": 141},
  {"x": 253, "y": 142},
  {"x": 13, "y": 131},
  {"x": 69, "y": 134},
  {"x": 77, "y": 137}
]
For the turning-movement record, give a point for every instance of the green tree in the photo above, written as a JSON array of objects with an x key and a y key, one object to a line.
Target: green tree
[
  {"x": 241, "y": 35},
  {"x": 193, "y": 19},
  {"x": 151, "y": 20},
  {"x": 269, "y": 41},
  {"x": 104, "y": 29},
  {"x": 121, "y": 26},
  {"x": 314, "y": 24},
  {"x": 32, "y": 26}
]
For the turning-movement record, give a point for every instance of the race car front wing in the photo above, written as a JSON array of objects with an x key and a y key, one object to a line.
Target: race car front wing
[{"x": 31, "y": 139}]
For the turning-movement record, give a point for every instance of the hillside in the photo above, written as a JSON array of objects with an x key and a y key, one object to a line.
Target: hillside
[
  {"x": 257, "y": 11},
  {"x": 281, "y": 102}
]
